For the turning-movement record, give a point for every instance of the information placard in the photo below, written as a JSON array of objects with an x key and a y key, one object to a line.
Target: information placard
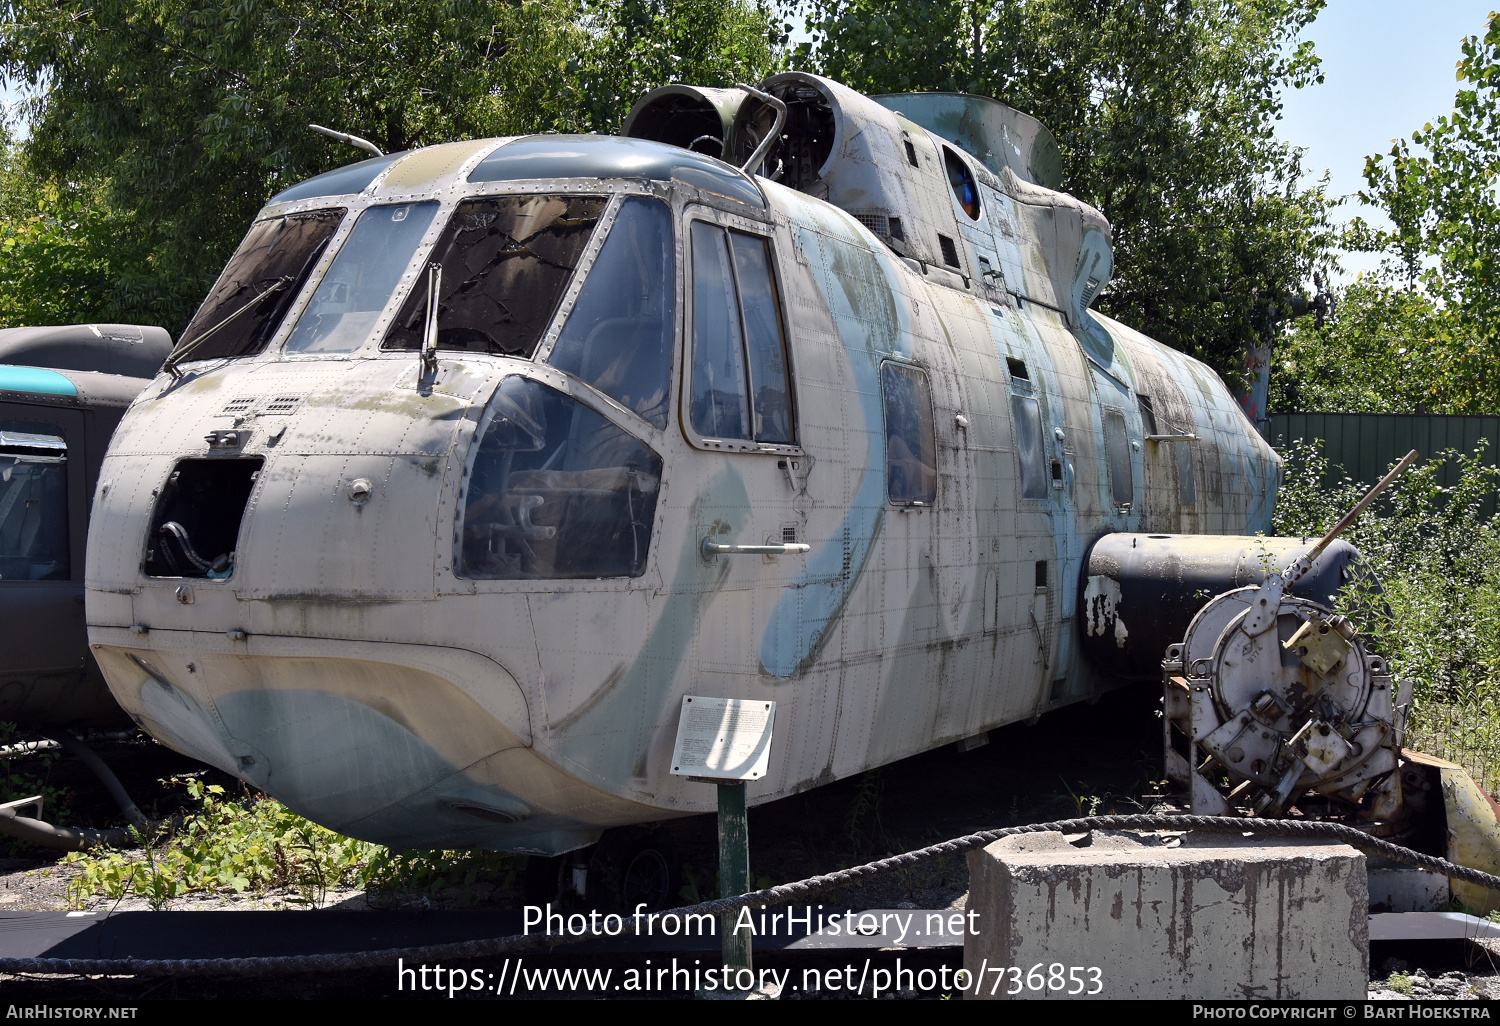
[{"x": 723, "y": 738}]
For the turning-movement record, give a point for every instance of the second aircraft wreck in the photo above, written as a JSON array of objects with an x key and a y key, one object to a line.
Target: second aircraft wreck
[{"x": 478, "y": 458}]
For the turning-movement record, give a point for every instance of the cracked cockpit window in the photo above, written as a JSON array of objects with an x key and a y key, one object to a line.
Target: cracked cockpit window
[
  {"x": 505, "y": 262},
  {"x": 258, "y": 285}
]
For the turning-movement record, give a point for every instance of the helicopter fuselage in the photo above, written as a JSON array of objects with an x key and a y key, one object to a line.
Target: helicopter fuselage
[{"x": 436, "y": 586}]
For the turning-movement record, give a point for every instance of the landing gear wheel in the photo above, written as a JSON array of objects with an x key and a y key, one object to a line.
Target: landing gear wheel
[{"x": 634, "y": 866}]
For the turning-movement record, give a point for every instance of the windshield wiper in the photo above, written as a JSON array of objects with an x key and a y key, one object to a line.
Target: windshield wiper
[{"x": 170, "y": 366}]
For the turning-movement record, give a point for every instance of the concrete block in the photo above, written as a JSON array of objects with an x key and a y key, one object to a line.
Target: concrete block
[{"x": 1211, "y": 917}]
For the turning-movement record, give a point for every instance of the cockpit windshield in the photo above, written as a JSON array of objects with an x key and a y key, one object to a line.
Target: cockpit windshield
[
  {"x": 253, "y": 294},
  {"x": 505, "y": 262},
  {"x": 358, "y": 285},
  {"x": 618, "y": 336}
]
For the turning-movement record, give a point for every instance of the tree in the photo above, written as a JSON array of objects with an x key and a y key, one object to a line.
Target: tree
[
  {"x": 1445, "y": 239},
  {"x": 1164, "y": 111},
  {"x": 1375, "y": 355},
  {"x": 189, "y": 114},
  {"x": 57, "y": 244}
]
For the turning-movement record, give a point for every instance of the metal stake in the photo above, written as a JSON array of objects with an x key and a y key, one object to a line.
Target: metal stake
[{"x": 734, "y": 869}]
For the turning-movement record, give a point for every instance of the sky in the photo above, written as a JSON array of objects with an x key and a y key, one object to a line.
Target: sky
[{"x": 1388, "y": 69}]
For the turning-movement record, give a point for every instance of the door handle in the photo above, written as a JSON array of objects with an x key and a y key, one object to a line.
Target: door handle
[{"x": 711, "y": 548}]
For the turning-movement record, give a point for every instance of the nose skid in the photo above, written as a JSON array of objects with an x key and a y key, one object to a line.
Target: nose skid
[{"x": 404, "y": 745}]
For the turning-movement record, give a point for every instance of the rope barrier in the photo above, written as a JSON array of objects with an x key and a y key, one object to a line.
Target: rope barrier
[{"x": 776, "y": 895}]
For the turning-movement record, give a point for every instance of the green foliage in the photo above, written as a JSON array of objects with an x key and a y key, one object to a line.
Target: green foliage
[
  {"x": 1400, "y": 983},
  {"x": 1439, "y": 190},
  {"x": 1437, "y": 619},
  {"x": 1164, "y": 111},
  {"x": 226, "y": 846},
  {"x": 637, "y": 45},
  {"x": 862, "y": 822},
  {"x": 433, "y": 871},
  {"x": 189, "y": 114},
  {"x": 1376, "y": 355},
  {"x": 258, "y": 845},
  {"x": 58, "y": 242},
  {"x": 1437, "y": 556}
]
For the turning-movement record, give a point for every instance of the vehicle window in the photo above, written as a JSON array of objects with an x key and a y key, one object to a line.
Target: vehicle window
[
  {"x": 33, "y": 503},
  {"x": 258, "y": 285},
  {"x": 741, "y": 384},
  {"x": 506, "y": 261},
  {"x": 359, "y": 283},
  {"x": 1187, "y": 492},
  {"x": 770, "y": 390},
  {"x": 556, "y": 491},
  {"x": 720, "y": 404},
  {"x": 1027, "y": 418},
  {"x": 1121, "y": 481},
  {"x": 962, "y": 180},
  {"x": 619, "y": 335},
  {"x": 910, "y": 444}
]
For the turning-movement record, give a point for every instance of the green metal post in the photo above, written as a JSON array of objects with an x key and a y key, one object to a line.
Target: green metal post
[{"x": 734, "y": 869}]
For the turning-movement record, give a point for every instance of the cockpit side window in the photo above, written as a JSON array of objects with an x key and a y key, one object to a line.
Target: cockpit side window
[
  {"x": 619, "y": 334},
  {"x": 741, "y": 384},
  {"x": 506, "y": 261},
  {"x": 253, "y": 294},
  {"x": 721, "y": 402},
  {"x": 556, "y": 491}
]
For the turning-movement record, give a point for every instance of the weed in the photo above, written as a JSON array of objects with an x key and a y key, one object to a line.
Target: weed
[
  {"x": 257, "y": 845},
  {"x": 862, "y": 823},
  {"x": 1400, "y": 983},
  {"x": 433, "y": 871},
  {"x": 1083, "y": 805}
]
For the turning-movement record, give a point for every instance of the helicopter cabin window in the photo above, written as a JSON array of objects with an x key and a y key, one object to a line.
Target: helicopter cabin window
[
  {"x": 504, "y": 262},
  {"x": 1026, "y": 417},
  {"x": 258, "y": 285},
  {"x": 619, "y": 335},
  {"x": 359, "y": 284},
  {"x": 741, "y": 388},
  {"x": 1121, "y": 481},
  {"x": 910, "y": 441},
  {"x": 555, "y": 491},
  {"x": 962, "y": 180},
  {"x": 33, "y": 503}
]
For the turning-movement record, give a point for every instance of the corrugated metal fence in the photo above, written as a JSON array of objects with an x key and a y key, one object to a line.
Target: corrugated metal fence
[{"x": 1366, "y": 444}]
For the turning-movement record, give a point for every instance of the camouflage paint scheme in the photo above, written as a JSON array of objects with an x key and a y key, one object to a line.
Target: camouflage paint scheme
[{"x": 346, "y": 670}]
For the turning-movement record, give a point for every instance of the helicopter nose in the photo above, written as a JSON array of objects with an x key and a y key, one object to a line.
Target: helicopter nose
[
  {"x": 337, "y": 739},
  {"x": 330, "y": 757}
]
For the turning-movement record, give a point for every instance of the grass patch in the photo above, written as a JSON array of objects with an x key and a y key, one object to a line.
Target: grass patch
[{"x": 258, "y": 845}]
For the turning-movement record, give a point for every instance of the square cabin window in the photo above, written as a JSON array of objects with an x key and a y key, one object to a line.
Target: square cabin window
[{"x": 910, "y": 441}]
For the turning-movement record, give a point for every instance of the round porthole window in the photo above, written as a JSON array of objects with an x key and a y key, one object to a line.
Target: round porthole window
[{"x": 962, "y": 180}]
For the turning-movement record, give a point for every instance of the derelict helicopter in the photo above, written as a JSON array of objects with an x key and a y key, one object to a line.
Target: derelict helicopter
[
  {"x": 62, "y": 390},
  {"x": 478, "y": 458}
]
